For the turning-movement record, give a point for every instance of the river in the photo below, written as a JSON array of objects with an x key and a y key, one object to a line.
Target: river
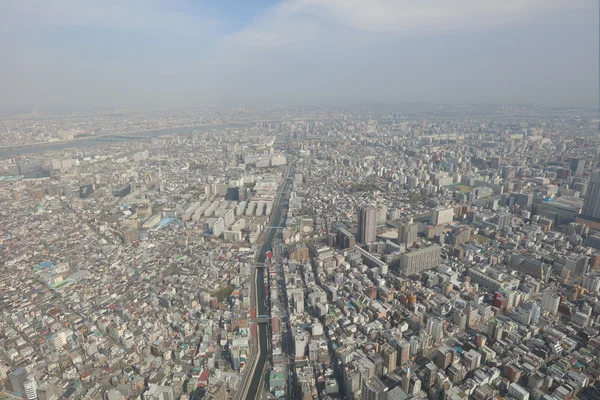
[{"x": 8, "y": 152}]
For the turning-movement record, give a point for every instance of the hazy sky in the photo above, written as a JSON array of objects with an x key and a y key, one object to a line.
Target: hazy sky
[{"x": 173, "y": 52}]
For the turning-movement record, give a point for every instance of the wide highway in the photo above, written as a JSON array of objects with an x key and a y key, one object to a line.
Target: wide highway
[{"x": 261, "y": 306}]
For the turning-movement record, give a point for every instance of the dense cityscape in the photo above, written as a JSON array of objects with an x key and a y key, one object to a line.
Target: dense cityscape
[{"x": 371, "y": 252}]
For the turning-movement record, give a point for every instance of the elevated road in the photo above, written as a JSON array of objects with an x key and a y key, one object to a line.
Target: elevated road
[{"x": 251, "y": 382}]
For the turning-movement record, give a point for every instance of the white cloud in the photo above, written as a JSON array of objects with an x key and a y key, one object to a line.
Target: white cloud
[
  {"x": 408, "y": 15},
  {"x": 412, "y": 49},
  {"x": 297, "y": 21},
  {"x": 301, "y": 49}
]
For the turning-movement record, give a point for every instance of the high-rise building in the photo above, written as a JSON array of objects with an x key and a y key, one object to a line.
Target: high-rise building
[
  {"x": 3, "y": 373},
  {"x": 406, "y": 381},
  {"x": 581, "y": 187},
  {"x": 577, "y": 166},
  {"x": 47, "y": 391},
  {"x": 550, "y": 302},
  {"x": 407, "y": 232},
  {"x": 404, "y": 350},
  {"x": 580, "y": 319},
  {"x": 415, "y": 345},
  {"x": 563, "y": 173},
  {"x": 495, "y": 162},
  {"x": 459, "y": 318},
  {"x": 471, "y": 359},
  {"x": 447, "y": 288},
  {"x": 518, "y": 392},
  {"x": 429, "y": 373},
  {"x": 17, "y": 380},
  {"x": 381, "y": 214},
  {"x": 345, "y": 240},
  {"x": 524, "y": 199},
  {"x": 218, "y": 227},
  {"x": 444, "y": 357},
  {"x": 30, "y": 388},
  {"x": 352, "y": 380},
  {"x": 590, "y": 282},
  {"x": 442, "y": 215},
  {"x": 535, "y": 313},
  {"x": 217, "y": 392},
  {"x": 495, "y": 329},
  {"x": 235, "y": 358},
  {"x": 390, "y": 356},
  {"x": 524, "y": 316},
  {"x": 415, "y": 386},
  {"x": 59, "y": 340},
  {"x": 420, "y": 260},
  {"x": 504, "y": 220},
  {"x": 377, "y": 360},
  {"x": 435, "y": 328},
  {"x": 577, "y": 265},
  {"x": 456, "y": 373},
  {"x": 300, "y": 343},
  {"x": 373, "y": 389},
  {"x": 367, "y": 224},
  {"x": 591, "y": 205},
  {"x": 460, "y": 235}
]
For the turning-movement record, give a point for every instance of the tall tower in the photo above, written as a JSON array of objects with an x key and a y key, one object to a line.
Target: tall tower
[
  {"x": 429, "y": 374},
  {"x": 591, "y": 205},
  {"x": 367, "y": 224},
  {"x": 407, "y": 232},
  {"x": 404, "y": 350},
  {"x": 390, "y": 356},
  {"x": 406, "y": 380}
]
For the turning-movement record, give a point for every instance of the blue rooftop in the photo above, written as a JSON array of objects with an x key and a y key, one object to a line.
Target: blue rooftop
[
  {"x": 45, "y": 264},
  {"x": 165, "y": 221}
]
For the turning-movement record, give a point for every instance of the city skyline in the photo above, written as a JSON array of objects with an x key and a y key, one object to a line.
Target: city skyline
[
  {"x": 300, "y": 199},
  {"x": 300, "y": 252}
]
